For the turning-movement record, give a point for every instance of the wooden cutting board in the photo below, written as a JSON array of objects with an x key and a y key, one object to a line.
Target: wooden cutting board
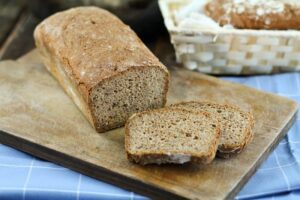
[{"x": 37, "y": 117}]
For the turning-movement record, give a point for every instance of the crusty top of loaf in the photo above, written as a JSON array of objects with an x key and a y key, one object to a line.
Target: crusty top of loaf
[{"x": 93, "y": 45}]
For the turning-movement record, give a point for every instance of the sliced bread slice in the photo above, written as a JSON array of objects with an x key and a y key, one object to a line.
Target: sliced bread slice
[
  {"x": 171, "y": 135},
  {"x": 236, "y": 125}
]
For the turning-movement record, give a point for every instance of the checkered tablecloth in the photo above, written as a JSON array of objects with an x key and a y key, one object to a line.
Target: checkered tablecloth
[{"x": 25, "y": 177}]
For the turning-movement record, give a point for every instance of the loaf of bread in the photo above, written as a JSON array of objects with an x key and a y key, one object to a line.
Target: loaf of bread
[
  {"x": 236, "y": 125},
  {"x": 102, "y": 65},
  {"x": 171, "y": 135},
  {"x": 256, "y": 14}
]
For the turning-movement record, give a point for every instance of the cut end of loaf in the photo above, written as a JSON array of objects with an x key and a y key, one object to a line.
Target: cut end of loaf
[
  {"x": 135, "y": 90},
  {"x": 171, "y": 136}
]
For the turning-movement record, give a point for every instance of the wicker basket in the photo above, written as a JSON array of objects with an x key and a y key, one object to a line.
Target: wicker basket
[{"x": 231, "y": 51}]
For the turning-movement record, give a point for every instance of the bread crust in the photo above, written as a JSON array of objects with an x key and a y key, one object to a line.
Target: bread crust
[
  {"x": 160, "y": 157},
  {"x": 92, "y": 46},
  {"x": 279, "y": 15},
  {"x": 227, "y": 151}
]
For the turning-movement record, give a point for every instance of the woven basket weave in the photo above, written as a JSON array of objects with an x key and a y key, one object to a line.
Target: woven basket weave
[{"x": 232, "y": 51}]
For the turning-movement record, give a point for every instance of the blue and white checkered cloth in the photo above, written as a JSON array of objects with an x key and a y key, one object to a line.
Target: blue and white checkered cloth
[{"x": 25, "y": 177}]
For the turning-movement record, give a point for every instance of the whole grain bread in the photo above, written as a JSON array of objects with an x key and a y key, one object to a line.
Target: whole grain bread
[
  {"x": 102, "y": 65},
  {"x": 259, "y": 14},
  {"x": 171, "y": 135},
  {"x": 236, "y": 125}
]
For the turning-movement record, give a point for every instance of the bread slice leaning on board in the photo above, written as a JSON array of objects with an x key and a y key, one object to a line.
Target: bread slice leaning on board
[
  {"x": 102, "y": 65},
  {"x": 171, "y": 135},
  {"x": 236, "y": 125}
]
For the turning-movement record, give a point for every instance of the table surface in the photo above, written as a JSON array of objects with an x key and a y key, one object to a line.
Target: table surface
[{"x": 27, "y": 177}]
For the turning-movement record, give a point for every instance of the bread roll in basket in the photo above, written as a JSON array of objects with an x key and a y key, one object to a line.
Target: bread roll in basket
[{"x": 205, "y": 44}]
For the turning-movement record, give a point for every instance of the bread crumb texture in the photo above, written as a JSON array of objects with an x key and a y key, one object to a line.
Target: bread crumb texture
[{"x": 171, "y": 135}]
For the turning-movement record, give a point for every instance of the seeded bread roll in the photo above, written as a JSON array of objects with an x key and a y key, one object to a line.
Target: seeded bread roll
[
  {"x": 256, "y": 14},
  {"x": 236, "y": 125},
  {"x": 171, "y": 135},
  {"x": 102, "y": 65}
]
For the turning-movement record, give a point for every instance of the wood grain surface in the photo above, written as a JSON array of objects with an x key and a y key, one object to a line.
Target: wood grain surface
[{"x": 37, "y": 117}]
